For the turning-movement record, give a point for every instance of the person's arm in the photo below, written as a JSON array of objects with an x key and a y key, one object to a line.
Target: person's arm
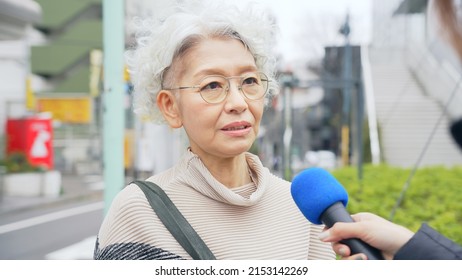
[{"x": 428, "y": 244}]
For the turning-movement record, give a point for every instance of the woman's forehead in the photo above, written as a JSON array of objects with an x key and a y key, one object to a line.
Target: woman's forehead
[{"x": 210, "y": 55}]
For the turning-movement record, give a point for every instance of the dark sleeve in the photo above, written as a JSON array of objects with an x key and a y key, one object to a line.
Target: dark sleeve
[{"x": 428, "y": 244}]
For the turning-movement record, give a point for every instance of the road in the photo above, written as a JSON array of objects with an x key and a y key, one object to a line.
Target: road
[{"x": 65, "y": 232}]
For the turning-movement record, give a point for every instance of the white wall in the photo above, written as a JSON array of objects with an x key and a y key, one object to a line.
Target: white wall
[
  {"x": 158, "y": 147},
  {"x": 14, "y": 68}
]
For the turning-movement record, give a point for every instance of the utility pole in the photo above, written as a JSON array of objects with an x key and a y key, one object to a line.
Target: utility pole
[
  {"x": 113, "y": 99},
  {"x": 288, "y": 84},
  {"x": 345, "y": 147},
  {"x": 359, "y": 128}
]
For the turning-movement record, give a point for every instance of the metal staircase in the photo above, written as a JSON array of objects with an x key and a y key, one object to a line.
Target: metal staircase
[
  {"x": 72, "y": 29},
  {"x": 407, "y": 116}
]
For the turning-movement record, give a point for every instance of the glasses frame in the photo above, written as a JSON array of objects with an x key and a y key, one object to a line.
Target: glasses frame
[{"x": 262, "y": 75}]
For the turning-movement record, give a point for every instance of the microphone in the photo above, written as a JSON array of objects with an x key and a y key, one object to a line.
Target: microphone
[
  {"x": 322, "y": 200},
  {"x": 456, "y": 132}
]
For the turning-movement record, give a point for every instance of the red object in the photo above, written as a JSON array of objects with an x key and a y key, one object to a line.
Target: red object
[{"x": 32, "y": 136}]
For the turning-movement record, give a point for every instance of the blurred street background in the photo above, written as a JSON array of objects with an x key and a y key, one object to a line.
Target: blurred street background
[{"x": 362, "y": 83}]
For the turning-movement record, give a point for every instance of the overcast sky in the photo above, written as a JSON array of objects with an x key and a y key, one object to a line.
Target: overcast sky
[{"x": 308, "y": 25}]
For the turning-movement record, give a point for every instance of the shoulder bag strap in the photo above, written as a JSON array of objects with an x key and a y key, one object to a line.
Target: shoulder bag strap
[{"x": 175, "y": 222}]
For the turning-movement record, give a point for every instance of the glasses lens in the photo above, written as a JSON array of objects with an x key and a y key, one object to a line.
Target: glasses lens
[
  {"x": 255, "y": 85},
  {"x": 213, "y": 89}
]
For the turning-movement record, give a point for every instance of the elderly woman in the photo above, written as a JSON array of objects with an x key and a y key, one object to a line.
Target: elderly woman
[{"x": 209, "y": 70}]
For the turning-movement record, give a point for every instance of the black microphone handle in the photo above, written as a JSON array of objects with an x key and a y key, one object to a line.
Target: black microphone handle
[{"x": 337, "y": 213}]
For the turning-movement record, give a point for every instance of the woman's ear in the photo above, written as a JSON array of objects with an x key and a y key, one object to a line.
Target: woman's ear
[{"x": 167, "y": 104}]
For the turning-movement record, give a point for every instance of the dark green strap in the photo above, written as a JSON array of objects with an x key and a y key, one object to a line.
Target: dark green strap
[{"x": 175, "y": 222}]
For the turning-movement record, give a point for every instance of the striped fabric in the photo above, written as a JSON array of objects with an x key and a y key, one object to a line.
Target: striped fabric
[{"x": 255, "y": 221}]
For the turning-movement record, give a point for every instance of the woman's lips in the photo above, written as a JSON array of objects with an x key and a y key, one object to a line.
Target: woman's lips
[{"x": 237, "y": 129}]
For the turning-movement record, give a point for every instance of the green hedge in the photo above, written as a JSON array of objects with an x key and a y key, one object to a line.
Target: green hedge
[{"x": 434, "y": 195}]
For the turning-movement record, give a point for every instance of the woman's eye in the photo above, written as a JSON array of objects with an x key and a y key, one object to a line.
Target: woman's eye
[
  {"x": 212, "y": 86},
  {"x": 250, "y": 81}
]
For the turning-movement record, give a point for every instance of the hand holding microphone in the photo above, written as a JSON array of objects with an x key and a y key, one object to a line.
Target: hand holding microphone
[
  {"x": 322, "y": 199},
  {"x": 372, "y": 229}
]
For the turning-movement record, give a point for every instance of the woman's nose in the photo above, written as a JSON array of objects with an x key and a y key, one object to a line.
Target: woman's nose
[{"x": 235, "y": 100}]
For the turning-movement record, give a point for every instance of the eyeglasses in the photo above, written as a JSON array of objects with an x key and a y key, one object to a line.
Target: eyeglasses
[{"x": 214, "y": 88}]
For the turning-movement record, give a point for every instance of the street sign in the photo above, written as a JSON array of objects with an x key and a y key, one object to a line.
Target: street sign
[
  {"x": 33, "y": 137},
  {"x": 67, "y": 109}
]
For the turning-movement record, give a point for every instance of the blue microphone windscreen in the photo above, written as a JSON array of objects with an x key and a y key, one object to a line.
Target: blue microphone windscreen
[{"x": 314, "y": 190}]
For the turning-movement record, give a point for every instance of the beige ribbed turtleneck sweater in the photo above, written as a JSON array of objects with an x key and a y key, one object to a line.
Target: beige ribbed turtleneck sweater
[{"x": 254, "y": 221}]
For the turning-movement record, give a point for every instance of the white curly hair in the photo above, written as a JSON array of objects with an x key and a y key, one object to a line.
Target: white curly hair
[{"x": 160, "y": 41}]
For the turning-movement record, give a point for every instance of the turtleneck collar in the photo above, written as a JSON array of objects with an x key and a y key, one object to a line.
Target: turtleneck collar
[{"x": 199, "y": 178}]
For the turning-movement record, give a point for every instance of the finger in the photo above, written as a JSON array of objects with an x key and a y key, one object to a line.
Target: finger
[
  {"x": 356, "y": 257},
  {"x": 341, "y": 249},
  {"x": 341, "y": 231},
  {"x": 362, "y": 216}
]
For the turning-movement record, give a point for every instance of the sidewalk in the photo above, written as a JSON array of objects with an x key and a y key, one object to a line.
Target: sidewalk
[{"x": 74, "y": 188}]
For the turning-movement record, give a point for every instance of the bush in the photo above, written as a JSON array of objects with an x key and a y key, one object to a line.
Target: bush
[
  {"x": 17, "y": 162},
  {"x": 433, "y": 196}
]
